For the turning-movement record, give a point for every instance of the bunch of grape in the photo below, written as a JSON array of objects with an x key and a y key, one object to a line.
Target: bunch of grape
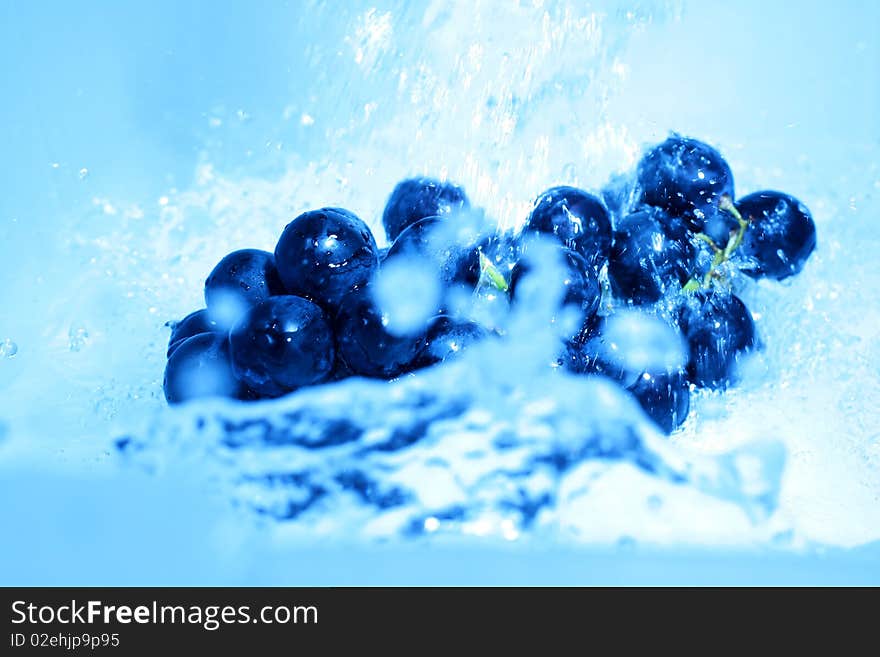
[{"x": 670, "y": 239}]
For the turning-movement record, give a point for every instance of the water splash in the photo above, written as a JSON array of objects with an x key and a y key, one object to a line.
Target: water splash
[{"x": 459, "y": 448}]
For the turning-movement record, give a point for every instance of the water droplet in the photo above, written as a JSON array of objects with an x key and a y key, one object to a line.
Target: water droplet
[
  {"x": 626, "y": 543},
  {"x": 77, "y": 337},
  {"x": 8, "y": 348}
]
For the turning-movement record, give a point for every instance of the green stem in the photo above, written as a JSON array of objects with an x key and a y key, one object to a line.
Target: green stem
[
  {"x": 490, "y": 272},
  {"x": 721, "y": 256},
  {"x": 726, "y": 204},
  {"x": 717, "y": 261},
  {"x": 708, "y": 240}
]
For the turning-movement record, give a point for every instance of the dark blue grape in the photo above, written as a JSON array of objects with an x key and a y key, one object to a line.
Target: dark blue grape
[
  {"x": 664, "y": 396},
  {"x": 241, "y": 280},
  {"x": 686, "y": 178},
  {"x": 193, "y": 324},
  {"x": 719, "y": 331},
  {"x": 200, "y": 367},
  {"x": 646, "y": 260},
  {"x": 365, "y": 345},
  {"x": 447, "y": 337},
  {"x": 325, "y": 254},
  {"x": 577, "y": 219},
  {"x": 457, "y": 262},
  {"x": 572, "y": 356},
  {"x": 281, "y": 344},
  {"x": 718, "y": 224},
  {"x": 417, "y": 198},
  {"x": 590, "y": 355},
  {"x": 340, "y": 371},
  {"x": 581, "y": 284},
  {"x": 780, "y": 237},
  {"x": 619, "y": 195}
]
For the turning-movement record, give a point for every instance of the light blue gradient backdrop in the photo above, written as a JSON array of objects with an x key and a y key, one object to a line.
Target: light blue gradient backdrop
[{"x": 125, "y": 89}]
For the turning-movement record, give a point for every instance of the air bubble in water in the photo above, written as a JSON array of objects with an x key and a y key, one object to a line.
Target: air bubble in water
[
  {"x": 8, "y": 348},
  {"x": 77, "y": 337}
]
